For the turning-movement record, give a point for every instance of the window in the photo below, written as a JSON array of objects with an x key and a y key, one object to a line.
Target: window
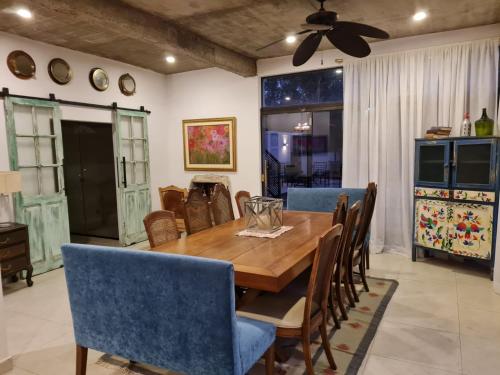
[
  {"x": 315, "y": 87},
  {"x": 302, "y": 131}
]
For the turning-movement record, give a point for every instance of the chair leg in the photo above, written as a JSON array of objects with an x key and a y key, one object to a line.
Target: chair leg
[
  {"x": 351, "y": 283},
  {"x": 269, "y": 356},
  {"x": 81, "y": 360},
  {"x": 367, "y": 255},
  {"x": 339, "y": 295},
  {"x": 307, "y": 353},
  {"x": 362, "y": 272},
  {"x": 331, "y": 303},
  {"x": 326, "y": 345},
  {"x": 347, "y": 290}
]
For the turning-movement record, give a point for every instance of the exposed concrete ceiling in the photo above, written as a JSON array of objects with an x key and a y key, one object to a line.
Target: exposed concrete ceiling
[{"x": 223, "y": 33}]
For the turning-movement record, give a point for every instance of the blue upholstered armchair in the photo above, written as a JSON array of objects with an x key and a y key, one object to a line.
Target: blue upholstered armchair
[
  {"x": 325, "y": 200},
  {"x": 321, "y": 199},
  {"x": 170, "y": 311}
]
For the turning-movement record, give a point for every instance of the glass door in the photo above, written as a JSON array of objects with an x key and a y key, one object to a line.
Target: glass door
[
  {"x": 474, "y": 164},
  {"x": 133, "y": 190},
  {"x": 36, "y": 151},
  {"x": 432, "y": 163},
  {"x": 301, "y": 149}
]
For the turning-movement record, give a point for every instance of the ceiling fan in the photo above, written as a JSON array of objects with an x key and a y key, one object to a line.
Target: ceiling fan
[{"x": 344, "y": 35}]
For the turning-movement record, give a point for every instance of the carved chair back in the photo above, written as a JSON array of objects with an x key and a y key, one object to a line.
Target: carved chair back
[
  {"x": 161, "y": 227},
  {"x": 241, "y": 197},
  {"x": 196, "y": 212}
]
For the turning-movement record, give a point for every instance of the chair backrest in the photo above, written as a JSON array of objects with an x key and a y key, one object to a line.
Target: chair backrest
[
  {"x": 221, "y": 205},
  {"x": 347, "y": 234},
  {"x": 161, "y": 227},
  {"x": 172, "y": 199},
  {"x": 320, "y": 199},
  {"x": 170, "y": 311},
  {"x": 196, "y": 212},
  {"x": 366, "y": 216},
  {"x": 340, "y": 213},
  {"x": 241, "y": 197},
  {"x": 321, "y": 274}
]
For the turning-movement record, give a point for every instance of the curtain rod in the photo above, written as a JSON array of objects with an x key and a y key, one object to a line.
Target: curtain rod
[{"x": 5, "y": 93}]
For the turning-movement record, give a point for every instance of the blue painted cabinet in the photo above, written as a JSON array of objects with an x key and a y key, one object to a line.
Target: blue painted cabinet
[{"x": 456, "y": 196}]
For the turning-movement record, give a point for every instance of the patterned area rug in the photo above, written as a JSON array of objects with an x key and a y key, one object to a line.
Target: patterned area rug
[{"x": 349, "y": 344}]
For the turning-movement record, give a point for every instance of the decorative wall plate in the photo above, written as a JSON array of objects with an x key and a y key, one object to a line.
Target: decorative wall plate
[
  {"x": 99, "y": 79},
  {"x": 21, "y": 64},
  {"x": 127, "y": 84},
  {"x": 60, "y": 71}
]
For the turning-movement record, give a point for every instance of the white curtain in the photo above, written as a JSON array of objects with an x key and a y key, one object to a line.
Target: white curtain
[{"x": 392, "y": 99}]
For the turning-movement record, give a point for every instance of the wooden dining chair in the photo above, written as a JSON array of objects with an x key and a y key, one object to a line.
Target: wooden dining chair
[
  {"x": 196, "y": 212},
  {"x": 296, "y": 315},
  {"x": 357, "y": 258},
  {"x": 341, "y": 284},
  {"x": 172, "y": 199},
  {"x": 340, "y": 213},
  {"x": 241, "y": 197},
  {"x": 221, "y": 205},
  {"x": 161, "y": 227}
]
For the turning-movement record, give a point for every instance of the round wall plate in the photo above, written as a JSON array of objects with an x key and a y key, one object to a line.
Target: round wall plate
[
  {"x": 99, "y": 79},
  {"x": 127, "y": 84},
  {"x": 21, "y": 64},
  {"x": 60, "y": 71}
]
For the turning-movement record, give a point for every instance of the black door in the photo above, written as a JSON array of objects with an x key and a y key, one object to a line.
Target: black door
[{"x": 89, "y": 175}]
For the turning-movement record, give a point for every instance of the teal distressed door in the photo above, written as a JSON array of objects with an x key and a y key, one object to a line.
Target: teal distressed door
[
  {"x": 133, "y": 190},
  {"x": 35, "y": 149}
]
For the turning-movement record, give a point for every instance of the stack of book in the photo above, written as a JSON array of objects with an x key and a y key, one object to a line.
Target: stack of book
[{"x": 437, "y": 132}]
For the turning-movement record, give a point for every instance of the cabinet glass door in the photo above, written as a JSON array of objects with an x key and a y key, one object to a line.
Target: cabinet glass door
[
  {"x": 474, "y": 163},
  {"x": 432, "y": 168}
]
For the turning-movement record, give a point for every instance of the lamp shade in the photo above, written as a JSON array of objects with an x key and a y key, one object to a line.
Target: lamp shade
[{"x": 10, "y": 182}]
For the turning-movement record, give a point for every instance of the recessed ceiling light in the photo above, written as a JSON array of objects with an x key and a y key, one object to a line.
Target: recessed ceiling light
[
  {"x": 287, "y": 98},
  {"x": 170, "y": 59},
  {"x": 419, "y": 16},
  {"x": 24, "y": 13},
  {"x": 291, "y": 39},
  {"x": 338, "y": 71}
]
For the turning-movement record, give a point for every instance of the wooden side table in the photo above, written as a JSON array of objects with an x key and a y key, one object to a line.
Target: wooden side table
[{"x": 15, "y": 251}]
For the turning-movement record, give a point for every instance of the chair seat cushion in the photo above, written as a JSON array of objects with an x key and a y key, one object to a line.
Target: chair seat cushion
[
  {"x": 255, "y": 337},
  {"x": 284, "y": 310}
]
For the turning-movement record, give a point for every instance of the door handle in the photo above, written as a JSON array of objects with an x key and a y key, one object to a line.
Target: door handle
[{"x": 124, "y": 166}]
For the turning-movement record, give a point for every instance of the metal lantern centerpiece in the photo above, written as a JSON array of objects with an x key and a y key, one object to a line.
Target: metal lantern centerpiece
[{"x": 264, "y": 214}]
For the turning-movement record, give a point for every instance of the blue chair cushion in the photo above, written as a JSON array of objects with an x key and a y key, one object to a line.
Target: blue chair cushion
[
  {"x": 255, "y": 338},
  {"x": 321, "y": 199}
]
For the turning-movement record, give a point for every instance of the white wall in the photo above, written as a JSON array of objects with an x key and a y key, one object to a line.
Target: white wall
[
  {"x": 205, "y": 94},
  {"x": 151, "y": 93}
]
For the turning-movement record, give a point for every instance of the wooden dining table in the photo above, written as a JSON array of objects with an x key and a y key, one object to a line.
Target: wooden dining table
[{"x": 264, "y": 264}]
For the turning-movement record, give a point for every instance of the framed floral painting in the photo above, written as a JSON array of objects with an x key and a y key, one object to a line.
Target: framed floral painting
[{"x": 210, "y": 144}]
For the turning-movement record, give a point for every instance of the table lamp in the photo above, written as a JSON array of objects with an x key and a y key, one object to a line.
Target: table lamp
[{"x": 10, "y": 182}]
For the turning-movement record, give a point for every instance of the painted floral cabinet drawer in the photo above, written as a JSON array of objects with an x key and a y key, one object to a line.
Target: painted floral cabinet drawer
[
  {"x": 432, "y": 193},
  {"x": 431, "y": 224},
  {"x": 470, "y": 195},
  {"x": 470, "y": 230}
]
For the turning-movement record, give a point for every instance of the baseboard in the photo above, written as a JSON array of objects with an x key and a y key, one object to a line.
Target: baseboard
[{"x": 6, "y": 365}]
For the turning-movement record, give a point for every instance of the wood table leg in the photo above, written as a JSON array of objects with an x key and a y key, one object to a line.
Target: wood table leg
[
  {"x": 269, "y": 356},
  {"x": 248, "y": 297}
]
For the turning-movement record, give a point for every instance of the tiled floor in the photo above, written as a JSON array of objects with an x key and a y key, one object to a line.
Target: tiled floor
[{"x": 443, "y": 319}]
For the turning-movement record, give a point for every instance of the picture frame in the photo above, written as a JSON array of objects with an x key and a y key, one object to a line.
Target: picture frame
[{"x": 210, "y": 144}]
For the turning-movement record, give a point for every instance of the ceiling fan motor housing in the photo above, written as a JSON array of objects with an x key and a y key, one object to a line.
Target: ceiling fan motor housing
[{"x": 323, "y": 17}]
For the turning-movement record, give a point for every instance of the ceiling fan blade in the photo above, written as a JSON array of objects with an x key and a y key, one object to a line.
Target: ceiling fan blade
[
  {"x": 307, "y": 48},
  {"x": 281, "y": 40},
  {"x": 348, "y": 43},
  {"x": 361, "y": 29},
  {"x": 315, "y": 26}
]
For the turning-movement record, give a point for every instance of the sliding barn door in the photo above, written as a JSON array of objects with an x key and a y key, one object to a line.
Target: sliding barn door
[
  {"x": 132, "y": 158},
  {"x": 35, "y": 149}
]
